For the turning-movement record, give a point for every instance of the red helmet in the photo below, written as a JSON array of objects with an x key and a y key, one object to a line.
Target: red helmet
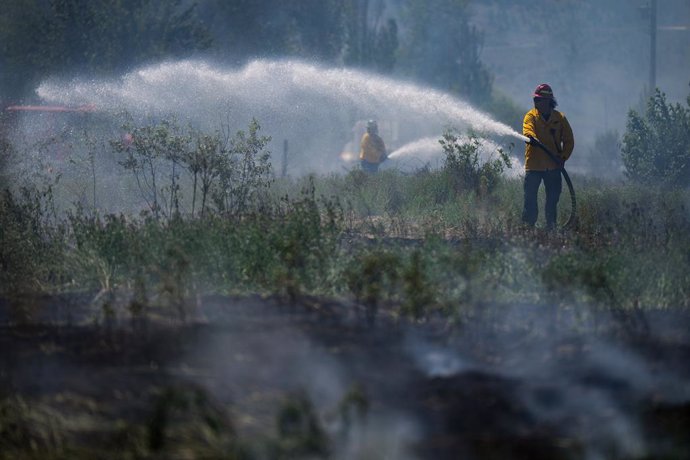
[{"x": 544, "y": 91}]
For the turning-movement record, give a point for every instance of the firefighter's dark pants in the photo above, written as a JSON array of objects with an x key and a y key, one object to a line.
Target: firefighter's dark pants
[
  {"x": 552, "y": 186},
  {"x": 368, "y": 167}
]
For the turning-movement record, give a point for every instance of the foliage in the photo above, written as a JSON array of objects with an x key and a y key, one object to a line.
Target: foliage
[
  {"x": 300, "y": 434},
  {"x": 306, "y": 242},
  {"x": 182, "y": 421},
  {"x": 656, "y": 146},
  {"x": 418, "y": 290},
  {"x": 372, "y": 277},
  {"x": 205, "y": 163},
  {"x": 249, "y": 28},
  {"x": 7, "y": 151},
  {"x": 232, "y": 173},
  {"x": 504, "y": 109},
  {"x": 370, "y": 42},
  {"x": 244, "y": 172},
  {"x": 67, "y": 36},
  {"x": 23, "y": 46},
  {"x": 432, "y": 242},
  {"x": 29, "y": 429},
  {"x": 185, "y": 420},
  {"x": 442, "y": 48},
  {"x": 464, "y": 169},
  {"x": 316, "y": 28},
  {"x": 30, "y": 242},
  {"x": 148, "y": 151}
]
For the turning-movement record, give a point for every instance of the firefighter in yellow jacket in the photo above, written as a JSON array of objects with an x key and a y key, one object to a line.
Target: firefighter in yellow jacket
[
  {"x": 372, "y": 149},
  {"x": 552, "y": 129}
]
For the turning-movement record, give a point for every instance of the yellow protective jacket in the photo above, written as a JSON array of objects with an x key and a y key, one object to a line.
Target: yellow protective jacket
[
  {"x": 372, "y": 148},
  {"x": 556, "y": 134}
]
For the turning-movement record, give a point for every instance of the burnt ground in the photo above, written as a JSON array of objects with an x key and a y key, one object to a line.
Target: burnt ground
[{"x": 517, "y": 382}]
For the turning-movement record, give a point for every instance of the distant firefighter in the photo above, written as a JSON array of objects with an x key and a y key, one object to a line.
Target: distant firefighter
[{"x": 372, "y": 149}]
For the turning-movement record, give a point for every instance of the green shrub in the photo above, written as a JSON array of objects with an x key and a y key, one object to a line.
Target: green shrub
[
  {"x": 304, "y": 236},
  {"x": 418, "y": 289},
  {"x": 186, "y": 423},
  {"x": 300, "y": 433},
  {"x": 245, "y": 173},
  {"x": 31, "y": 241},
  {"x": 463, "y": 168},
  {"x": 29, "y": 430},
  {"x": 154, "y": 156},
  {"x": 656, "y": 146},
  {"x": 7, "y": 152},
  {"x": 232, "y": 173},
  {"x": 372, "y": 277}
]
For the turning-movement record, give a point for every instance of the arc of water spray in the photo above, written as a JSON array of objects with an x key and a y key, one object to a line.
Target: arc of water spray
[
  {"x": 429, "y": 147},
  {"x": 425, "y": 146},
  {"x": 383, "y": 90},
  {"x": 269, "y": 83}
]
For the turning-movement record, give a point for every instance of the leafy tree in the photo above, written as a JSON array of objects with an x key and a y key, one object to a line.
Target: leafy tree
[
  {"x": 250, "y": 28},
  {"x": 442, "y": 48},
  {"x": 327, "y": 30},
  {"x": 106, "y": 34},
  {"x": 370, "y": 41},
  {"x": 656, "y": 146},
  {"x": 22, "y": 46},
  {"x": 318, "y": 27},
  {"x": 68, "y": 36},
  {"x": 6, "y": 151},
  {"x": 243, "y": 28}
]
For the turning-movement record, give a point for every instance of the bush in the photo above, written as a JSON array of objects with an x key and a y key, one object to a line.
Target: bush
[
  {"x": 228, "y": 174},
  {"x": 656, "y": 147},
  {"x": 463, "y": 167},
  {"x": 31, "y": 241}
]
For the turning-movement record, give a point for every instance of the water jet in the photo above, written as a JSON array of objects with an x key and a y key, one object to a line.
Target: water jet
[{"x": 312, "y": 106}]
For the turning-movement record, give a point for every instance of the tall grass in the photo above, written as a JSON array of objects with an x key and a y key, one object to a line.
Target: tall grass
[{"x": 433, "y": 242}]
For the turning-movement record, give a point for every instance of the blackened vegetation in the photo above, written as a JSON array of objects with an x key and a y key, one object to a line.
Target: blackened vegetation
[
  {"x": 221, "y": 389},
  {"x": 480, "y": 417}
]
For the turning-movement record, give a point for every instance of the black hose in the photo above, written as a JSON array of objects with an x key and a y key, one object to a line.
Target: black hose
[{"x": 572, "y": 219}]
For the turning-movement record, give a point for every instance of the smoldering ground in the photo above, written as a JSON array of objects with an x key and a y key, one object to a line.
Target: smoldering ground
[{"x": 517, "y": 381}]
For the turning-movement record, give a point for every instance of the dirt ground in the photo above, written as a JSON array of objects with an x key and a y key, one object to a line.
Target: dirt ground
[{"x": 506, "y": 382}]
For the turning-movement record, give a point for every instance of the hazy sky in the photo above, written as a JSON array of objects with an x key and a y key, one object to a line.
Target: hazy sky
[{"x": 595, "y": 54}]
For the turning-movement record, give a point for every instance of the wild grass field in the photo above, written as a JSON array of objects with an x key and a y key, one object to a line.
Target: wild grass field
[{"x": 233, "y": 314}]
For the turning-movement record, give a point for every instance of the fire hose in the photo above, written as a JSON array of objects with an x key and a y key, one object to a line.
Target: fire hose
[{"x": 572, "y": 219}]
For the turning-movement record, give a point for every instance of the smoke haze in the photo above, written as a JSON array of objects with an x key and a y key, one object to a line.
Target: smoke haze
[{"x": 595, "y": 55}]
